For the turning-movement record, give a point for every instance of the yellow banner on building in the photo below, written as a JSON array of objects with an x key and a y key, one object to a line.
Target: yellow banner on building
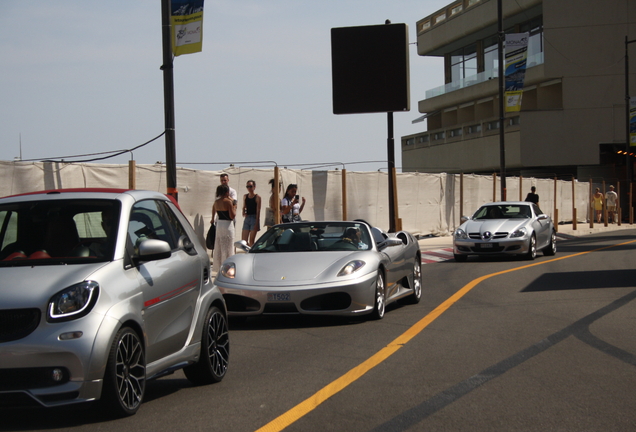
[
  {"x": 516, "y": 57},
  {"x": 187, "y": 26}
]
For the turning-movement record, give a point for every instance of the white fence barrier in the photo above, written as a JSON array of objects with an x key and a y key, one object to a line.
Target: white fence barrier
[{"x": 427, "y": 203}]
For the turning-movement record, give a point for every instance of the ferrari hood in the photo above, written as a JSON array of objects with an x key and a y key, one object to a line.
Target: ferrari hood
[{"x": 298, "y": 267}]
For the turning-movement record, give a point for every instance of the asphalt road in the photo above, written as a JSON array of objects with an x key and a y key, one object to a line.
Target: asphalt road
[{"x": 495, "y": 345}]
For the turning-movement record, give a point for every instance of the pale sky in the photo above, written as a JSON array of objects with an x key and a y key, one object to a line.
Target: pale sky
[{"x": 82, "y": 76}]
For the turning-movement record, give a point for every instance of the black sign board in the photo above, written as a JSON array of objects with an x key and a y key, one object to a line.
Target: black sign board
[{"x": 370, "y": 69}]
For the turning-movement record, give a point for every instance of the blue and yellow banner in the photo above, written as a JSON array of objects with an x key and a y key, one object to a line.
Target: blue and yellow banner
[
  {"x": 632, "y": 122},
  {"x": 187, "y": 26},
  {"x": 516, "y": 58}
]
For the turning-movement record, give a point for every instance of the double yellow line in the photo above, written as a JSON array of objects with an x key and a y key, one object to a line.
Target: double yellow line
[{"x": 311, "y": 403}]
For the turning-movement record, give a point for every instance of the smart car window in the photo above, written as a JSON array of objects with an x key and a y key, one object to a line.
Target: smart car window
[
  {"x": 9, "y": 224},
  {"x": 89, "y": 225},
  {"x": 147, "y": 223},
  {"x": 56, "y": 231},
  {"x": 173, "y": 225}
]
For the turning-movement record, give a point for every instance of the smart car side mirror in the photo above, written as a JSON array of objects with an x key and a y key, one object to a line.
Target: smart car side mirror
[
  {"x": 542, "y": 217},
  {"x": 153, "y": 250},
  {"x": 464, "y": 219}
]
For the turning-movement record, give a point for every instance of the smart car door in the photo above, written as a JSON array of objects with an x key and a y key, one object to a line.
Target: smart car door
[{"x": 170, "y": 286}]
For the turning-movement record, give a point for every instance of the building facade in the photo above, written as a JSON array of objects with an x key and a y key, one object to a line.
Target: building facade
[{"x": 573, "y": 113}]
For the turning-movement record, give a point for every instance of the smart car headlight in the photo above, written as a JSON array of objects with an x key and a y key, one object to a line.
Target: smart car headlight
[
  {"x": 228, "y": 270},
  {"x": 521, "y": 232},
  {"x": 461, "y": 234},
  {"x": 73, "y": 302},
  {"x": 351, "y": 267}
]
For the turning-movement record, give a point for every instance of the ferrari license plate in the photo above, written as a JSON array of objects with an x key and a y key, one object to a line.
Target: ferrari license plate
[
  {"x": 486, "y": 245},
  {"x": 278, "y": 296}
]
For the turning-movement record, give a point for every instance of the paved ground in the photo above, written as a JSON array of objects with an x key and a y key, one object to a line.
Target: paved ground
[{"x": 436, "y": 249}]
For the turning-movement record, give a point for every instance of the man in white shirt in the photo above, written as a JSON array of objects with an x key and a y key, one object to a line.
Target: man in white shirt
[
  {"x": 225, "y": 179},
  {"x": 610, "y": 198}
]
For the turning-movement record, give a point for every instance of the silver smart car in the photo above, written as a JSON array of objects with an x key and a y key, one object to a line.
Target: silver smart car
[{"x": 100, "y": 291}]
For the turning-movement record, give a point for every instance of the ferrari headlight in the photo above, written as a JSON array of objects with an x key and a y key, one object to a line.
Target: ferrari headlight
[
  {"x": 461, "y": 234},
  {"x": 73, "y": 302},
  {"x": 228, "y": 270},
  {"x": 521, "y": 232},
  {"x": 351, "y": 267}
]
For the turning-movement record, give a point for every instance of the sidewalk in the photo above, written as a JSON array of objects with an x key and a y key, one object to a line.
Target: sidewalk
[{"x": 435, "y": 249}]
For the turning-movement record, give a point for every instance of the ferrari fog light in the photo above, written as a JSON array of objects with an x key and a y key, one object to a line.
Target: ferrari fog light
[{"x": 57, "y": 375}]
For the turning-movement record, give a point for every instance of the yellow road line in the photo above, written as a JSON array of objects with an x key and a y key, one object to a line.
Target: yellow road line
[{"x": 309, "y": 404}]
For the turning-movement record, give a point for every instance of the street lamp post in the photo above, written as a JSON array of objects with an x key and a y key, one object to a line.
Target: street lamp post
[
  {"x": 628, "y": 158},
  {"x": 502, "y": 115},
  {"x": 628, "y": 166}
]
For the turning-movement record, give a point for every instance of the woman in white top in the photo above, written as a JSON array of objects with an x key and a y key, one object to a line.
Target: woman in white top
[{"x": 290, "y": 206}]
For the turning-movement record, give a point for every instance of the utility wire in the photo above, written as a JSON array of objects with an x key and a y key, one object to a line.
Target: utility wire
[{"x": 111, "y": 154}]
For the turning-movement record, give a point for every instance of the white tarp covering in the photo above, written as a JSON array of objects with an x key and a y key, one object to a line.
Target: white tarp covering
[{"x": 427, "y": 203}]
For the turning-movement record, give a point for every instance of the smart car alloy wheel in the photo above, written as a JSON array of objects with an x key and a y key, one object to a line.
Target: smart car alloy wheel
[
  {"x": 215, "y": 351},
  {"x": 125, "y": 379}
]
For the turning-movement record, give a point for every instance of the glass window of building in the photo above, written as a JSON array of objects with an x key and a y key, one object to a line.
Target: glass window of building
[
  {"x": 464, "y": 63},
  {"x": 491, "y": 53},
  {"x": 535, "y": 42}
]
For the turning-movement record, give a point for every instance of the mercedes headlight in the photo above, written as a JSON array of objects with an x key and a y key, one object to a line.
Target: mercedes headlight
[
  {"x": 73, "y": 302},
  {"x": 461, "y": 234},
  {"x": 521, "y": 232}
]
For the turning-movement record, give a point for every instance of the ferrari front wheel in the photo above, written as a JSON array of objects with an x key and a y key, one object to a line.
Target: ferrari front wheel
[
  {"x": 417, "y": 282},
  {"x": 380, "y": 299}
]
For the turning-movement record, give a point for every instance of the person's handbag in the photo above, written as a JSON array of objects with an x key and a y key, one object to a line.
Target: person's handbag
[
  {"x": 210, "y": 237},
  {"x": 269, "y": 217}
]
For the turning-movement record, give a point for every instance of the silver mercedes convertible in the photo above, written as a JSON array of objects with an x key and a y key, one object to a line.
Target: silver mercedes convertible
[
  {"x": 505, "y": 228},
  {"x": 329, "y": 268}
]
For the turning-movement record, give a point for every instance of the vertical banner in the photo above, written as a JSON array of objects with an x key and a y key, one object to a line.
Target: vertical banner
[
  {"x": 187, "y": 26},
  {"x": 516, "y": 55},
  {"x": 632, "y": 122}
]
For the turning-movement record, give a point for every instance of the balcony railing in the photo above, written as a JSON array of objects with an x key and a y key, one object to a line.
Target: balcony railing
[{"x": 533, "y": 60}]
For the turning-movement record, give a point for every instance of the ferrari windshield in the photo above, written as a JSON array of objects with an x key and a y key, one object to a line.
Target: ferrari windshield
[
  {"x": 507, "y": 211},
  {"x": 314, "y": 236},
  {"x": 58, "y": 231}
]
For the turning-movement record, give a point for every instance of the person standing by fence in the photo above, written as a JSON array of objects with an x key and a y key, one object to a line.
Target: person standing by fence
[
  {"x": 251, "y": 213},
  {"x": 597, "y": 203},
  {"x": 610, "y": 200},
  {"x": 532, "y": 196},
  {"x": 225, "y": 207}
]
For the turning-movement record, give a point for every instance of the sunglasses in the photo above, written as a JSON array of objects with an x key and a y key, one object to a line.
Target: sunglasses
[{"x": 249, "y": 186}]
